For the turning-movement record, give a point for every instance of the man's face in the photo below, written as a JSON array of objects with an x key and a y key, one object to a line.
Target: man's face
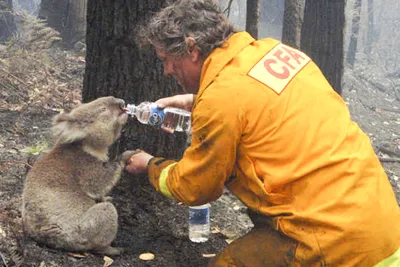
[{"x": 185, "y": 69}]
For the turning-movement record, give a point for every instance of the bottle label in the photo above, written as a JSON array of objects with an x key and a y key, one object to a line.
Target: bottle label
[
  {"x": 199, "y": 216},
  {"x": 157, "y": 116}
]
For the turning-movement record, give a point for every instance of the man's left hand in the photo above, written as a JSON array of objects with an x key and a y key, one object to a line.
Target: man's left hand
[{"x": 137, "y": 164}]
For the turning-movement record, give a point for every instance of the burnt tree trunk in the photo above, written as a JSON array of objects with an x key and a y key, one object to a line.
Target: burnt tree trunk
[
  {"x": 355, "y": 29},
  {"x": 371, "y": 27},
  {"x": 292, "y": 20},
  {"x": 148, "y": 221},
  {"x": 76, "y": 27},
  {"x": 322, "y": 37},
  {"x": 115, "y": 66},
  {"x": 54, "y": 12},
  {"x": 253, "y": 17},
  {"x": 7, "y": 22},
  {"x": 68, "y": 17}
]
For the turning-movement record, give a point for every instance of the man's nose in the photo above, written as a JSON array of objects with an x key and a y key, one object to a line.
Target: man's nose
[{"x": 166, "y": 73}]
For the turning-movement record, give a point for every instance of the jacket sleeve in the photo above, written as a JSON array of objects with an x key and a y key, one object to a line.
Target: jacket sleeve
[{"x": 200, "y": 175}]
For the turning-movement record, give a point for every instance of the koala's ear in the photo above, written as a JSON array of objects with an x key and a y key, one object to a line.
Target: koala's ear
[{"x": 66, "y": 130}]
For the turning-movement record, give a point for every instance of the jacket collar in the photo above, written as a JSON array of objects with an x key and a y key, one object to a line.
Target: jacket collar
[{"x": 220, "y": 57}]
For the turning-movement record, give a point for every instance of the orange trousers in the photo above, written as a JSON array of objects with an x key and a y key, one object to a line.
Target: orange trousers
[{"x": 263, "y": 246}]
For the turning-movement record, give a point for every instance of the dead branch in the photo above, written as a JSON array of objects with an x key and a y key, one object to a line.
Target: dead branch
[
  {"x": 16, "y": 162},
  {"x": 13, "y": 76},
  {"x": 389, "y": 151},
  {"x": 386, "y": 109},
  {"x": 3, "y": 259},
  {"x": 384, "y": 159},
  {"x": 228, "y": 8}
]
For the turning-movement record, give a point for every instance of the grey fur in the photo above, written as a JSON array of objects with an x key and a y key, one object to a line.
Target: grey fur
[{"x": 63, "y": 189}]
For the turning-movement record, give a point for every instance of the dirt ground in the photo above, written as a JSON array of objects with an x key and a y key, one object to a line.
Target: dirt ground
[{"x": 150, "y": 222}]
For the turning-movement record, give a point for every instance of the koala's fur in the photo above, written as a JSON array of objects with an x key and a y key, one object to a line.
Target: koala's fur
[{"x": 64, "y": 193}]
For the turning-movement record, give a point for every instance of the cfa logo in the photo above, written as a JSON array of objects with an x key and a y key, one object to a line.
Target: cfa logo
[{"x": 278, "y": 67}]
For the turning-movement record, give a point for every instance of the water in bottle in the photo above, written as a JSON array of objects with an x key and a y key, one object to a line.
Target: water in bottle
[
  {"x": 177, "y": 119},
  {"x": 199, "y": 223},
  {"x": 173, "y": 119}
]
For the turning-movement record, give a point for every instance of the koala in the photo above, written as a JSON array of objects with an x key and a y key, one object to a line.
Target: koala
[{"x": 64, "y": 200}]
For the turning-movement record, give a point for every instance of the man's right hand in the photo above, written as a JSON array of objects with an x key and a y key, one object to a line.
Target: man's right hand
[{"x": 177, "y": 101}]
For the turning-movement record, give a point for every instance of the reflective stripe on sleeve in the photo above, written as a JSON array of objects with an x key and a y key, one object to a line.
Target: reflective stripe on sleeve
[
  {"x": 392, "y": 261},
  {"x": 163, "y": 181}
]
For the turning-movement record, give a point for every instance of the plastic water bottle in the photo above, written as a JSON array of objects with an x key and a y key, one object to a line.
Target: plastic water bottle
[
  {"x": 173, "y": 119},
  {"x": 199, "y": 223}
]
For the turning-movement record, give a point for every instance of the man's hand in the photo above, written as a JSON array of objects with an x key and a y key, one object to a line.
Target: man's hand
[
  {"x": 137, "y": 164},
  {"x": 177, "y": 101},
  {"x": 124, "y": 157}
]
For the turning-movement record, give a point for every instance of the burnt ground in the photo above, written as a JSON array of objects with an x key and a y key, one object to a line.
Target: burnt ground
[{"x": 148, "y": 221}]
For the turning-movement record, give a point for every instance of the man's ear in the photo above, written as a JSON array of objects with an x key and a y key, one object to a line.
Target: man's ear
[
  {"x": 195, "y": 54},
  {"x": 192, "y": 49}
]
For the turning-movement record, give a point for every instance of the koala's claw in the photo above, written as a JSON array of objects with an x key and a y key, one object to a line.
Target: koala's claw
[
  {"x": 110, "y": 251},
  {"x": 128, "y": 154},
  {"x": 107, "y": 199}
]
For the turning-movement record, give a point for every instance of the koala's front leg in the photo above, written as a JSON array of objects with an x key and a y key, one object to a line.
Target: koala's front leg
[
  {"x": 104, "y": 177},
  {"x": 127, "y": 155}
]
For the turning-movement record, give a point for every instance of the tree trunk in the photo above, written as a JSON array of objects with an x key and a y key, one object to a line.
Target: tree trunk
[
  {"x": 7, "y": 22},
  {"x": 322, "y": 37},
  {"x": 355, "y": 28},
  {"x": 292, "y": 20},
  {"x": 54, "y": 12},
  {"x": 114, "y": 66},
  {"x": 371, "y": 26},
  {"x": 76, "y": 27},
  {"x": 68, "y": 17},
  {"x": 253, "y": 17}
]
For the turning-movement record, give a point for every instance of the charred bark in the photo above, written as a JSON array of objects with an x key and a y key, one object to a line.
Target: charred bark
[
  {"x": 322, "y": 37},
  {"x": 7, "y": 22},
  {"x": 292, "y": 20},
  {"x": 68, "y": 17},
  {"x": 253, "y": 17},
  {"x": 355, "y": 29},
  {"x": 115, "y": 66},
  {"x": 371, "y": 27}
]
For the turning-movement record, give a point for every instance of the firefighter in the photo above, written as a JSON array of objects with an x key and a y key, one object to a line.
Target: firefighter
[{"x": 268, "y": 126}]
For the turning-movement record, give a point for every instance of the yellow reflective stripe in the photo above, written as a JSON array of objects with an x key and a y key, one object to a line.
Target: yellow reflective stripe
[
  {"x": 392, "y": 261},
  {"x": 163, "y": 181}
]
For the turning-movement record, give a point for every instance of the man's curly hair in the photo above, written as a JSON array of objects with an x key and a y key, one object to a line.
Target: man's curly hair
[{"x": 181, "y": 20}]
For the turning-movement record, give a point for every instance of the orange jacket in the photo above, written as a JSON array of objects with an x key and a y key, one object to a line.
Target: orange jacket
[{"x": 267, "y": 125}]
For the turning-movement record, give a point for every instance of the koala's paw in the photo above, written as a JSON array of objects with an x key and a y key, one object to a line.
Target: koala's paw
[
  {"x": 107, "y": 199},
  {"x": 127, "y": 155}
]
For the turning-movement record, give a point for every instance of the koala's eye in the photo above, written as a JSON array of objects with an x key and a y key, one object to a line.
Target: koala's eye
[{"x": 120, "y": 103}]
